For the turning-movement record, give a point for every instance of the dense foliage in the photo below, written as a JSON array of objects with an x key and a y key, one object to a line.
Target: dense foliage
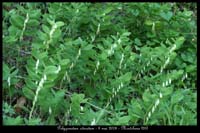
[{"x": 99, "y": 64}]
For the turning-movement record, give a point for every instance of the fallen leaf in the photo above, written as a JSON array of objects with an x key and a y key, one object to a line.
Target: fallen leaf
[{"x": 20, "y": 103}]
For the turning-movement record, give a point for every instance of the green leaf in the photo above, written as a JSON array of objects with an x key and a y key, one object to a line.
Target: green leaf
[
  {"x": 13, "y": 121},
  {"x": 57, "y": 34},
  {"x": 6, "y": 71},
  {"x": 30, "y": 84},
  {"x": 78, "y": 98},
  {"x": 107, "y": 10},
  {"x": 135, "y": 109},
  {"x": 75, "y": 105},
  {"x": 50, "y": 70},
  {"x": 49, "y": 84},
  {"x": 13, "y": 74},
  {"x": 88, "y": 47},
  {"x": 124, "y": 120},
  {"x": 43, "y": 36},
  {"x": 37, "y": 45},
  {"x": 126, "y": 77},
  {"x": 12, "y": 39},
  {"x": 34, "y": 121},
  {"x": 51, "y": 22},
  {"x": 64, "y": 62},
  {"x": 188, "y": 13},
  {"x": 104, "y": 55},
  {"x": 132, "y": 57},
  {"x": 148, "y": 22},
  {"x": 33, "y": 22},
  {"x": 39, "y": 55},
  {"x": 32, "y": 73},
  {"x": 60, "y": 23},
  {"x": 135, "y": 12},
  {"x": 35, "y": 14},
  {"x": 146, "y": 96},
  {"x": 126, "y": 34},
  {"x": 176, "y": 97},
  {"x": 167, "y": 16},
  {"x": 179, "y": 41},
  {"x": 17, "y": 21},
  {"x": 166, "y": 90},
  {"x": 191, "y": 68},
  {"x": 8, "y": 109},
  {"x": 45, "y": 97},
  {"x": 51, "y": 120},
  {"x": 28, "y": 93},
  {"x": 45, "y": 29},
  {"x": 176, "y": 74},
  {"x": 58, "y": 103},
  {"x": 137, "y": 42},
  {"x": 13, "y": 31}
]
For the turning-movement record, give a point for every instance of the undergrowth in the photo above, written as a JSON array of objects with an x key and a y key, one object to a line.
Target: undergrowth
[{"x": 99, "y": 64}]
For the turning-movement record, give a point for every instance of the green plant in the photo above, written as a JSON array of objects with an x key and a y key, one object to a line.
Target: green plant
[{"x": 100, "y": 64}]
